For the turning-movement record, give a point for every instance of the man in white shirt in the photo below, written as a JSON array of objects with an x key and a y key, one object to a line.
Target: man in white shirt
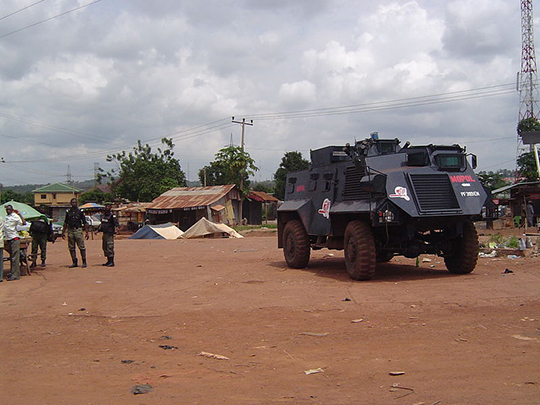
[
  {"x": 1, "y": 249},
  {"x": 12, "y": 242}
]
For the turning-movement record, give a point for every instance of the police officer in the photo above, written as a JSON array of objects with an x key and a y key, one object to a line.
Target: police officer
[
  {"x": 74, "y": 224},
  {"x": 41, "y": 231},
  {"x": 109, "y": 226}
]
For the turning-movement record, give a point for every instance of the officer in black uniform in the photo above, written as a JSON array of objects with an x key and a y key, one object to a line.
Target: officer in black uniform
[
  {"x": 74, "y": 223},
  {"x": 109, "y": 225}
]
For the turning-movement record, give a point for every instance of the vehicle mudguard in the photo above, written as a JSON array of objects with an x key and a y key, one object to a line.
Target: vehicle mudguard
[{"x": 294, "y": 209}]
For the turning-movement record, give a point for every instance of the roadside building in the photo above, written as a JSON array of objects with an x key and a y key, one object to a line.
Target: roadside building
[
  {"x": 259, "y": 206},
  {"x": 186, "y": 205},
  {"x": 514, "y": 199},
  {"x": 131, "y": 216},
  {"x": 55, "y": 198}
]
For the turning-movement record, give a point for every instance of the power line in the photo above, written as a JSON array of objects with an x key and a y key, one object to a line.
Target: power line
[
  {"x": 393, "y": 104},
  {"x": 22, "y": 9},
  {"x": 184, "y": 134},
  {"x": 58, "y": 129},
  {"x": 222, "y": 124},
  {"x": 49, "y": 19}
]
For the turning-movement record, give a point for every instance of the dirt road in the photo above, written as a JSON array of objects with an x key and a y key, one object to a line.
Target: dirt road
[{"x": 87, "y": 336}]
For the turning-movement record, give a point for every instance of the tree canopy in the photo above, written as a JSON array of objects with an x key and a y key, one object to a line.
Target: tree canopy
[
  {"x": 9, "y": 195},
  {"x": 96, "y": 196},
  {"x": 144, "y": 175},
  {"x": 526, "y": 162},
  {"x": 231, "y": 166},
  {"x": 493, "y": 180},
  {"x": 527, "y": 166},
  {"x": 290, "y": 162},
  {"x": 528, "y": 124}
]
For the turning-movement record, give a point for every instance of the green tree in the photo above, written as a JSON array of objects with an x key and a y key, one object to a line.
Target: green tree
[
  {"x": 232, "y": 165},
  {"x": 526, "y": 162},
  {"x": 144, "y": 175},
  {"x": 527, "y": 166},
  {"x": 10, "y": 195},
  {"x": 267, "y": 186},
  {"x": 290, "y": 162},
  {"x": 491, "y": 180},
  {"x": 528, "y": 124},
  {"x": 96, "y": 196}
]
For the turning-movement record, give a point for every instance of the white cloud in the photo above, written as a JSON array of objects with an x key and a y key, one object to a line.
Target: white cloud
[{"x": 116, "y": 72}]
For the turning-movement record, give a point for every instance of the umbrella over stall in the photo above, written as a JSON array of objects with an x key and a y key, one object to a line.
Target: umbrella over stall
[
  {"x": 91, "y": 206},
  {"x": 25, "y": 210}
]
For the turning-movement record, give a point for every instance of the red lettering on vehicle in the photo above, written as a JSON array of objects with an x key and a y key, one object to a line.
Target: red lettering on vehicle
[
  {"x": 300, "y": 188},
  {"x": 462, "y": 179}
]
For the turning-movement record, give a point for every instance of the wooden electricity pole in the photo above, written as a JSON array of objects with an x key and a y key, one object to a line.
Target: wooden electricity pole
[{"x": 243, "y": 123}]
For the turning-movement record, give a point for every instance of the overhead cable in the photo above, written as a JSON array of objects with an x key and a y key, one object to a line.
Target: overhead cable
[
  {"x": 49, "y": 19},
  {"x": 22, "y": 9}
]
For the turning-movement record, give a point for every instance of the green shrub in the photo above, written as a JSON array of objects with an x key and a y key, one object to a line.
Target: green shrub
[{"x": 512, "y": 242}]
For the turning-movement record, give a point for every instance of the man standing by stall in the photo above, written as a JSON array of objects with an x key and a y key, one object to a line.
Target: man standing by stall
[
  {"x": 109, "y": 226},
  {"x": 12, "y": 220},
  {"x": 41, "y": 231},
  {"x": 74, "y": 224},
  {"x": 1, "y": 249}
]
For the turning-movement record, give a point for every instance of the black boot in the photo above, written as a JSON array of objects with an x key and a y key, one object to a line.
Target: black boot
[
  {"x": 108, "y": 262},
  {"x": 43, "y": 263},
  {"x": 73, "y": 258},
  {"x": 83, "y": 256},
  {"x": 111, "y": 262},
  {"x": 33, "y": 265}
]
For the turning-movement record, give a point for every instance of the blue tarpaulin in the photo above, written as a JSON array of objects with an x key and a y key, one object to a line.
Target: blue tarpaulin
[{"x": 163, "y": 231}]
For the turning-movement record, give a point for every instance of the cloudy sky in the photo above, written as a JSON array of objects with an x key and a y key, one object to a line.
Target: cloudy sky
[{"x": 310, "y": 73}]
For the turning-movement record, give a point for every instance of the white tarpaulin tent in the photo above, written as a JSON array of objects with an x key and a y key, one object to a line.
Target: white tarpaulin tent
[
  {"x": 163, "y": 231},
  {"x": 204, "y": 227}
]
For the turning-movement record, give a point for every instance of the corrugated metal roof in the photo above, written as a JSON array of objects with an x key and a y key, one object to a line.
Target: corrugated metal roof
[
  {"x": 133, "y": 207},
  {"x": 262, "y": 196},
  {"x": 511, "y": 186},
  {"x": 187, "y": 197}
]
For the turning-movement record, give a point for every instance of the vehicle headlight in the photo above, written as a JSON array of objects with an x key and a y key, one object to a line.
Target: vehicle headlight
[{"x": 388, "y": 216}]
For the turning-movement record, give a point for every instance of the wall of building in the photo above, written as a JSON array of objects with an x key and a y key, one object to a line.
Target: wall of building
[{"x": 61, "y": 199}]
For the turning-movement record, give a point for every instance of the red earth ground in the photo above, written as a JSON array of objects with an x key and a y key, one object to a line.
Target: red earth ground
[{"x": 88, "y": 336}]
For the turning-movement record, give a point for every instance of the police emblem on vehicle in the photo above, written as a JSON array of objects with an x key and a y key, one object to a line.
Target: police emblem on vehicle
[
  {"x": 325, "y": 209},
  {"x": 400, "y": 192}
]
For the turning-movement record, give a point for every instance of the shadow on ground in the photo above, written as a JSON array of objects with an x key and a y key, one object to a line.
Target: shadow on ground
[{"x": 394, "y": 272}]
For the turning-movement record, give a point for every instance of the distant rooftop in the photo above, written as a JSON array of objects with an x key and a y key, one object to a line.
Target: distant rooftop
[{"x": 57, "y": 188}]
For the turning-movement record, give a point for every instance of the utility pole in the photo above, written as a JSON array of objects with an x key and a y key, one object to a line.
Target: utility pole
[
  {"x": 243, "y": 123},
  {"x": 96, "y": 171},
  {"x": 68, "y": 176}
]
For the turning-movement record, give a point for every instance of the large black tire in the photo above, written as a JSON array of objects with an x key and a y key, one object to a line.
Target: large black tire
[
  {"x": 359, "y": 246},
  {"x": 296, "y": 246},
  {"x": 464, "y": 253}
]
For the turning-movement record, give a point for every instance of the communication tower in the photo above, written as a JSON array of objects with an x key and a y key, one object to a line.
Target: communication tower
[{"x": 527, "y": 77}]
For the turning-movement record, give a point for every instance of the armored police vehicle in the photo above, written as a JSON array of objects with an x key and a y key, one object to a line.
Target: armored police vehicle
[{"x": 376, "y": 199}]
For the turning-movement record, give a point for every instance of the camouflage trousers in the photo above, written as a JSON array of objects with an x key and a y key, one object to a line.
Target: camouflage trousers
[
  {"x": 39, "y": 240},
  {"x": 108, "y": 244},
  {"x": 75, "y": 237}
]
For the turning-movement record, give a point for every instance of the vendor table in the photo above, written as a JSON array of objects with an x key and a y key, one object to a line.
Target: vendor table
[{"x": 24, "y": 260}]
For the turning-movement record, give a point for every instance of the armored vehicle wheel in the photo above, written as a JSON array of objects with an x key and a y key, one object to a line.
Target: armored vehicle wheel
[
  {"x": 359, "y": 246},
  {"x": 296, "y": 246},
  {"x": 464, "y": 251}
]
